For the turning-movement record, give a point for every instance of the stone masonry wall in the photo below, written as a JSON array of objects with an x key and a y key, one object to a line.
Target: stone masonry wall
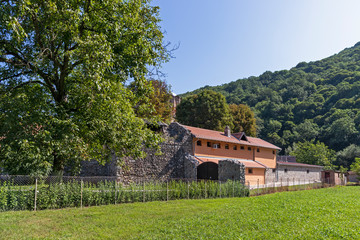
[
  {"x": 231, "y": 169},
  {"x": 297, "y": 173},
  {"x": 190, "y": 167},
  {"x": 270, "y": 175},
  {"x": 170, "y": 164},
  {"x": 93, "y": 168}
]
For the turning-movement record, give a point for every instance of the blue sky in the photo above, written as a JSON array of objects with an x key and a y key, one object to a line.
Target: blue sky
[{"x": 225, "y": 40}]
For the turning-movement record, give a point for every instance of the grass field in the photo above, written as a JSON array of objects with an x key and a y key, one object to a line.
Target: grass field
[{"x": 332, "y": 213}]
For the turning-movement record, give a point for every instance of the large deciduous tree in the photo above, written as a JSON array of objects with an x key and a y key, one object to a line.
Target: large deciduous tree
[
  {"x": 160, "y": 97},
  {"x": 313, "y": 153},
  {"x": 64, "y": 70},
  {"x": 207, "y": 109},
  {"x": 243, "y": 119},
  {"x": 355, "y": 166},
  {"x": 347, "y": 156}
]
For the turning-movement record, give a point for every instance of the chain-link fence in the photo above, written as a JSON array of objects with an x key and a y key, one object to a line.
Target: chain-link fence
[{"x": 35, "y": 193}]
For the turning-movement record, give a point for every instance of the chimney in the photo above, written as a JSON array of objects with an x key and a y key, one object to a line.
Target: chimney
[{"x": 227, "y": 131}]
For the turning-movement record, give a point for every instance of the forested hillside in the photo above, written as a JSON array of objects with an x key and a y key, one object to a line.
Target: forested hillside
[{"x": 317, "y": 100}]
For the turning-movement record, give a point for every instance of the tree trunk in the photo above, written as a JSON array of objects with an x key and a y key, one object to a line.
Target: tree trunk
[{"x": 58, "y": 166}]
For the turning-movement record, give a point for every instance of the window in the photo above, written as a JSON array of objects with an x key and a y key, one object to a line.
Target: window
[
  {"x": 198, "y": 143},
  {"x": 307, "y": 171},
  {"x": 235, "y": 147},
  {"x": 273, "y": 151},
  {"x": 216, "y": 145},
  {"x": 274, "y": 170},
  {"x": 209, "y": 144},
  {"x": 249, "y": 148},
  {"x": 226, "y": 146},
  {"x": 285, "y": 170},
  {"x": 242, "y": 148},
  {"x": 250, "y": 170},
  {"x": 258, "y": 150}
]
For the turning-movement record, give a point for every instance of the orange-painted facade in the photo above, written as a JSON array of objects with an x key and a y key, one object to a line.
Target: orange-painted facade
[
  {"x": 256, "y": 176},
  {"x": 263, "y": 155},
  {"x": 256, "y": 154},
  {"x": 253, "y": 176}
]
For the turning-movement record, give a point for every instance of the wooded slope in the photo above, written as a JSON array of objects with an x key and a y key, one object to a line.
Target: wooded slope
[{"x": 317, "y": 100}]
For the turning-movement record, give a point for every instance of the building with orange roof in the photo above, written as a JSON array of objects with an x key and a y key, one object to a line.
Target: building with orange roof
[
  {"x": 210, "y": 147},
  {"x": 196, "y": 153}
]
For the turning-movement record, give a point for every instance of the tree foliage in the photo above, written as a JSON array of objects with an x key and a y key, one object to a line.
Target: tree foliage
[
  {"x": 313, "y": 153},
  {"x": 207, "y": 109},
  {"x": 160, "y": 98},
  {"x": 243, "y": 119},
  {"x": 347, "y": 156},
  {"x": 355, "y": 166},
  {"x": 64, "y": 69}
]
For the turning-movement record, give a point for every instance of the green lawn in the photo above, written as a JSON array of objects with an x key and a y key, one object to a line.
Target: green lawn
[{"x": 332, "y": 213}]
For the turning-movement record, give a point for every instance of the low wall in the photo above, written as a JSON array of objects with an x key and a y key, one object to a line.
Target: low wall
[
  {"x": 271, "y": 175},
  {"x": 297, "y": 172}
]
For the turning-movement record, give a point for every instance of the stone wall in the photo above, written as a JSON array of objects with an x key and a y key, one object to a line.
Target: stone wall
[
  {"x": 93, "y": 168},
  {"x": 190, "y": 167},
  {"x": 291, "y": 173},
  {"x": 285, "y": 172},
  {"x": 231, "y": 169},
  {"x": 270, "y": 175},
  {"x": 170, "y": 164}
]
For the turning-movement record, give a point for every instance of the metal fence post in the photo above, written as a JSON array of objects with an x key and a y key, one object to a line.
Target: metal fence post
[
  {"x": 294, "y": 182},
  {"x": 205, "y": 189},
  {"x": 274, "y": 185},
  {"x": 188, "y": 190},
  {"x": 258, "y": 187},
  {"x": 233, "y": 189},
  {"x": 81, "y": 193},
  {"x": 312, "y": 184},
  {"x": 220, "y": 187},
  {"x": 167, "y": 190},
  {"x": 242, "y": 193},
  {"x": 288, "y": 184},
  {"x": 144, "y": 191},
  {"x": 115, "y": 190},
  {"x": 35, "y": 194},
  {"x": 304, "y": 185}
]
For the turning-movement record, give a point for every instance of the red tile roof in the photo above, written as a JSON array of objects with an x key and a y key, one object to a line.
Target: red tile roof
[
  {"x": 247, "y": 163},
  {"x": 220, "y": 136},
  {"x": 298, "y": 164}
]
